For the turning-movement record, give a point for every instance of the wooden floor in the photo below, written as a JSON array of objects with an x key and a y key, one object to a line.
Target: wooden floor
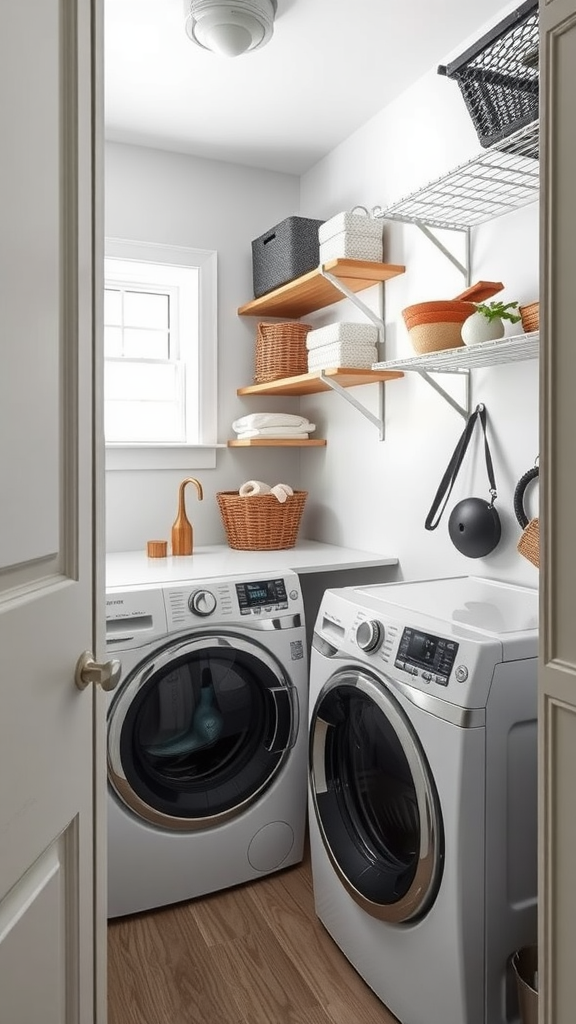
[{"x": 255, "y": 954}]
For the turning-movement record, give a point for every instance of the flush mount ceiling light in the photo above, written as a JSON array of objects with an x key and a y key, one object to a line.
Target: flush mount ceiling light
[{"x": 230, "y": 27}]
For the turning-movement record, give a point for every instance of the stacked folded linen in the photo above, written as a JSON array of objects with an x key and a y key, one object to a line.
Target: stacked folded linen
[
  {"x": 273, "y": 424},
  {"x": 343, "y": 354},
  {"x": 344, "y": 331},
  {"x": 349, "y": 235},
  {"x": 342, "y": 344}
]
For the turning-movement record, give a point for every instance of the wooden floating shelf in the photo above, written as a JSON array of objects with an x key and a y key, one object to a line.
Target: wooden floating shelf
[
  {"x": 276, "y": 442},
  {"x": 313, "y": 291},
  {"x": 312, "y": 383}
]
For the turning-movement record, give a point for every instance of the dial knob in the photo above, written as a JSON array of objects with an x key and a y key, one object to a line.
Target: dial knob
[
  {"x": 202, "y": 602},
  {"x": 369, "y": 635}
]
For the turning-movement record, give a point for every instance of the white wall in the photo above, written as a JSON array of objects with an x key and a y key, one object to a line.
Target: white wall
[
  {"x": 375, "y": 495},
  {"x": 362, "y": 492},
  {"x": 155, "y": 196}
]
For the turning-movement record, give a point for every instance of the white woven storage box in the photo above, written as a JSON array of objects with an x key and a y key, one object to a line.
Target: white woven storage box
[
  {"x": 352, "y": 224},
  {"x": 344, "y": 331},
  {"x": 351, "y": 247},
  {"x": 343, "y": 353}
]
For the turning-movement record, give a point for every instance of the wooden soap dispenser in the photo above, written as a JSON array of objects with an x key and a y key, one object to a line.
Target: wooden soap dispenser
[{"x": 182, "y": 534}]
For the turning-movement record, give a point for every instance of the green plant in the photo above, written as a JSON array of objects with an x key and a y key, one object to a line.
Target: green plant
[{"x": 498, "y": 310}]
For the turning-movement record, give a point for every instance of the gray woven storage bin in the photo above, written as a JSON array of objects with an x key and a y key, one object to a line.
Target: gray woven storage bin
[{"x": 286, "y": 251}]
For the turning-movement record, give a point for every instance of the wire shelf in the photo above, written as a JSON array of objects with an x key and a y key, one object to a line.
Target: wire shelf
[
  {"x": 497, "y": 181},
  {"x": 514, "y": 349}
]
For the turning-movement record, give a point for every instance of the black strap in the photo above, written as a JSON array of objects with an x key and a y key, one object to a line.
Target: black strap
[{"x": 447, "y": 483}]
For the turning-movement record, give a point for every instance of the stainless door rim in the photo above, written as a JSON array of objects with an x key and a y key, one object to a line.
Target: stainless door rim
[
  {"x": 425, "y": 883},
  {"x": 131, "y": 687}
]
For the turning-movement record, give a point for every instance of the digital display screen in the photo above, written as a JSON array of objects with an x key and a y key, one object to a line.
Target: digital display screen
[
  {"x": 422, "y": 648},
  {"x": 261, "y": 593},
  {"x": 426, "y": 653}
]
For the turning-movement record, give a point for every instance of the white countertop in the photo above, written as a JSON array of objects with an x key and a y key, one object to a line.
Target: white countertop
[{"x": 131, "y": 568}]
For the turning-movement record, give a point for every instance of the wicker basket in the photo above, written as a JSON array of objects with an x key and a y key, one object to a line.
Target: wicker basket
[
  {"x": 530, "y": 317},
  {"x": 529, "y": 543},
  {"x": 260, "y": 522},
  {"x": 280, "y": 351}
]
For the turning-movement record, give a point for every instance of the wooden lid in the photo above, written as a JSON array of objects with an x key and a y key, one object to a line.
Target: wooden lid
[{"x": 157, "y": 548}]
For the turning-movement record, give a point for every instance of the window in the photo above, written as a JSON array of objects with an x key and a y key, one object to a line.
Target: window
[{"x": 159, "y": 355}]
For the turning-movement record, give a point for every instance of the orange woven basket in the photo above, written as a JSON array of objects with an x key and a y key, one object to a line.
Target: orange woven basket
[
  {"x": 280, "y": 351},
  {"x": 260, "y": 522},
  {"x": 530, "y": 317}
]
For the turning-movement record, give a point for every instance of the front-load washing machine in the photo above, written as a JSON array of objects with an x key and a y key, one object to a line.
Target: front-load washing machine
[
  {"x": 206, "y": 736},
  {"x": 422, "y": 772}
]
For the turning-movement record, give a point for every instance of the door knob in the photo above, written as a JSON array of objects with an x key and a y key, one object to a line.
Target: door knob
[{"x": 105, "y": 674}]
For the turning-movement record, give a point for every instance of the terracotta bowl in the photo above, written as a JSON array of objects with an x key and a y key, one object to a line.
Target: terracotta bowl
[
  {"x": 435, "y": 318},
  {"x": 449, "y": 307}
]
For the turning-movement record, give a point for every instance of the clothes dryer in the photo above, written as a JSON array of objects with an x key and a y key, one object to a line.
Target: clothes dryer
[
  {"x": 206, "y": 736},
  {"x": 422, "y": 782}
]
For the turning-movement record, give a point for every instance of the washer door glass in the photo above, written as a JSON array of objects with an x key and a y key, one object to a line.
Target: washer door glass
[
  {"x": 374, "y": 798},
  {"x": 199, "y": 730}
]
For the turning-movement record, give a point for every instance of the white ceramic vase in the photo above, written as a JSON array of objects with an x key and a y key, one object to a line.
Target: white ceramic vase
[{"x": 478, "y": 328}]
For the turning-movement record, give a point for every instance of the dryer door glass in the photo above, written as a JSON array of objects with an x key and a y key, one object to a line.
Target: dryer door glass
[
  {"x": 199, "y": 731},
  {"x": 374, "y": 798}
]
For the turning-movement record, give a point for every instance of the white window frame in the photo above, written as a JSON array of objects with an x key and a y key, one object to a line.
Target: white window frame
[{"x": 201, "y": 455}]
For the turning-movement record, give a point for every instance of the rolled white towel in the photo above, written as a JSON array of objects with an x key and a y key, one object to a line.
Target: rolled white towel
[
  {"x": 255, "y": 420},
  {"x": 252, "y": 487},
  {"x": 282, "y": 491}
]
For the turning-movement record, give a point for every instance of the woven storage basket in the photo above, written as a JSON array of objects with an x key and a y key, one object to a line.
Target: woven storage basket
[
  {"x": 529, "y": 543},
  {"x": 280, "y": 351},
  {"x": 498, "y": 77},
  {"x": 260, "y": 522},
  {"x": 530, "y": 317}
]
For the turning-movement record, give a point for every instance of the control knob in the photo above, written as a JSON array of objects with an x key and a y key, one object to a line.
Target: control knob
[
  {"x": 370, "y": 635},
  {"x": 202, "y": 602}
]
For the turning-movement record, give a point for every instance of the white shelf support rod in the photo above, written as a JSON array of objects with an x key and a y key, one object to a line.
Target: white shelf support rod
[
  {"x": 375, "y": 420},
  {"x": 464, "y": 412},
  {"x": 353, "y": 296},
  {"x": 464, "y": 268}
]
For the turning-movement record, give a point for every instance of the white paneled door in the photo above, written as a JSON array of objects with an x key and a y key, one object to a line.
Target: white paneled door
[{"x": 51, "y": 783}]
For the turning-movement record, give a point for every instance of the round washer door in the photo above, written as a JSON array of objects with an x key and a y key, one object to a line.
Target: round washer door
[
  {"x": 199, "y": 730},
  {"x": 374, "y": 798}
]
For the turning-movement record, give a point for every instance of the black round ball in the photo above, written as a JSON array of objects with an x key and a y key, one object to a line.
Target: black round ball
[{"x": 474, "y": 527}]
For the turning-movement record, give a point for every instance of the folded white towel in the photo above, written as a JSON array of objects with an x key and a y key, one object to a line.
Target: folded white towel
[
  {"x": 254, "y": 487},
  {"x": 269, "y": 419},
  {"x": 282, "y": 491},
  {"x": 277, "y": 432},
  {"x": 342, "y": 354},
  {"x": 343, "y": 332}
]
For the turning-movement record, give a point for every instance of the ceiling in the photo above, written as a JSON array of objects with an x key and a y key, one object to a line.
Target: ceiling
[{"x": 329, "y": 67}]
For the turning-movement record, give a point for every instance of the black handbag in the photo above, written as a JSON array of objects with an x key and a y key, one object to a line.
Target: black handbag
[{"x": 474, "y": 523}]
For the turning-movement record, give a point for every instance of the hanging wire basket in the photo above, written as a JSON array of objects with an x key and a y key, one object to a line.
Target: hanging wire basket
[{"x": 498, "y": 76}]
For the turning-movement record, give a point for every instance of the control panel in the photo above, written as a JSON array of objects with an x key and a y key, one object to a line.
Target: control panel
[
  {"x": 226, "y": 601},
  {"x": 258, "y": 596},
  {"x": 423, "y": 654}
]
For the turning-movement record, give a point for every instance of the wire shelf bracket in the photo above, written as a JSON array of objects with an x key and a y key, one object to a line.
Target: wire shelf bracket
[{"x": 516, "y": 348}]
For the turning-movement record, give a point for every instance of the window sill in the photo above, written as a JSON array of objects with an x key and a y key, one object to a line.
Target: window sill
[{"x": 142, "y": 457}]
